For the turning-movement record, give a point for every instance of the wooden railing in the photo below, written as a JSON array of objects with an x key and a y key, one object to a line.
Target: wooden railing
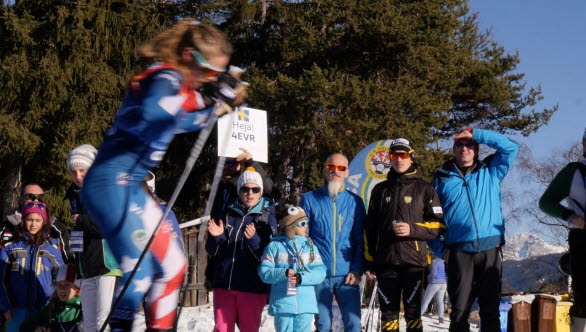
[{"x": 195, "y": 292}]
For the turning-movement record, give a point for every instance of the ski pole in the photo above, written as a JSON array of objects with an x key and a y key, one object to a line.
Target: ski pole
[
  {"x": 207, "y": 212},
  {"x": 203, "y": 227},
  {"x": 370, "y": 306}
]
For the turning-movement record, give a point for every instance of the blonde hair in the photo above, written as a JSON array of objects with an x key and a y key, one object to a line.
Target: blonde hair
[{"x": 168, "y": 45}]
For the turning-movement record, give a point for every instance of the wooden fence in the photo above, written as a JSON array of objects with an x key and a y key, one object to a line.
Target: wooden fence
[{"x": 195, "y": 292}]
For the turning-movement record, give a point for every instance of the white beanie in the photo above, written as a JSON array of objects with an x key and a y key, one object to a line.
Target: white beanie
[
  {"x": 250, "y": 175},
  {"x": 82, "y": 156}
]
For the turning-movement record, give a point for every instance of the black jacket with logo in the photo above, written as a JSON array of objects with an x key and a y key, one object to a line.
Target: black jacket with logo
[
  {"x": 96, "y": 258},
  {"x": 401, "y": 198}
]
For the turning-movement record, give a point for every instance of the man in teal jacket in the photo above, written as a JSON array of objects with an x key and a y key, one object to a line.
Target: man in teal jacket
[
  {"x": 469, "y": 190},
  {"x": 336, "y": 227}
]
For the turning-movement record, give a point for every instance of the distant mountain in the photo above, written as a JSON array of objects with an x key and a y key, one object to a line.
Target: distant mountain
[
  {"x": 531, "y": 264},
  {"x": 527, "y": 245}
]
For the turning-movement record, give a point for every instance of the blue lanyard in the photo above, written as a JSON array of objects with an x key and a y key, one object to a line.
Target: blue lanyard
[{"x": 294, "y": 256}]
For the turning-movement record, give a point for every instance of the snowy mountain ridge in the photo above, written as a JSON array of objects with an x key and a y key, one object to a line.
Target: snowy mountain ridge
[
  {"x": 531, "y": 264},
  {"x": 523, "y": 246}
]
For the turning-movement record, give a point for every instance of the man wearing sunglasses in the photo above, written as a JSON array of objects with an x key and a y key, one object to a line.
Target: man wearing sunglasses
[
  {"x": 570, "y": 184},
  {"x": 404, "y": 211},
  {"x": 469, "y": 190},
  {"x": 30, "y": 193},
  {"x": 336, "y": 219}
]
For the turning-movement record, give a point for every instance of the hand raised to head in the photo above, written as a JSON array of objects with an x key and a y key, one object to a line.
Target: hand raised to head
[{"x": 464, "y": 134}]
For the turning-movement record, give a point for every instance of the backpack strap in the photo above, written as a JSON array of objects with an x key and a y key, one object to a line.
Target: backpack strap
[{"x": 193, "y": 101}]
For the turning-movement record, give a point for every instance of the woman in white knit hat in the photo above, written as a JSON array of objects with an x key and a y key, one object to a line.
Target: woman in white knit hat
[
  {"x": 96, "y": 266},
  {"x": 236, "y": 244}
]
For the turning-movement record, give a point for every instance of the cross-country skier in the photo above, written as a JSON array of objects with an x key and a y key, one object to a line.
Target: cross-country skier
[{"x": 160, "y": 102}]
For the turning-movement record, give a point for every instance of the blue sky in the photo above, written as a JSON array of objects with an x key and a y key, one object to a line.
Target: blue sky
[{"x": 550, "y": 37}]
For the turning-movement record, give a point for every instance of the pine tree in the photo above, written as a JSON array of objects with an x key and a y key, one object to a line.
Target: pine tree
[
  {"x": 64, "y": 65},
  {"x": 334, "y": 76},
  {"x": 338, "y": 75}
]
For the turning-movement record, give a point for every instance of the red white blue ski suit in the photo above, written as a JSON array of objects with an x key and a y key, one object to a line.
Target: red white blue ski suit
[{"x": 157, "y": 105}]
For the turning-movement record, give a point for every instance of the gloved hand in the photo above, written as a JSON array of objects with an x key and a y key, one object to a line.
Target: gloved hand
[{"x": 228, "y": 89}]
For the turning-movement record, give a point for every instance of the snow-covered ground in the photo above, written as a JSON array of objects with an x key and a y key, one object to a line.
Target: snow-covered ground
[
  {"x": 201, "y": 319},
  {"x": 519, "y": 250}
]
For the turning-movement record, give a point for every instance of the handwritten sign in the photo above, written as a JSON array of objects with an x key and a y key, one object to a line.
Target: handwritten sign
[{"x": 243, "y": 128}]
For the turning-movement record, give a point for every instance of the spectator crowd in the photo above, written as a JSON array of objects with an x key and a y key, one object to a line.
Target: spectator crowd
[{"x": 417, "y": 240}]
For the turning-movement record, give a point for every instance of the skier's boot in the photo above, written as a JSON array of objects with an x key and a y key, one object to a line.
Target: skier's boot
[{"x": 120, "y": 325}]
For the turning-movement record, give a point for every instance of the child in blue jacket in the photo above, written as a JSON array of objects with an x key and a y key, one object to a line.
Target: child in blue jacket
[
  {"x": 292, "y": 261},
  {"x": 27, "y": 266}
]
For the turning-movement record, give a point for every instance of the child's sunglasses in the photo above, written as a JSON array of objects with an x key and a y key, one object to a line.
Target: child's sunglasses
[
  {"x": 31, "y": 205},
  {"x": 301, "y": 223}
]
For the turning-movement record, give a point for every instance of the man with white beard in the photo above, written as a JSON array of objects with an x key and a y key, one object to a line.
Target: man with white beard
[{"x": 336, "y": 219}]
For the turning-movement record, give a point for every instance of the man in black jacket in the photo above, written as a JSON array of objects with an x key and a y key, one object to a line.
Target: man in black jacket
[{"x": 403, "y": 213}]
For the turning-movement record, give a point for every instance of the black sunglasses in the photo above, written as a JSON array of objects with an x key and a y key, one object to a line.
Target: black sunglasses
[
  {"x": 244, "y": 189},
  {"x": 470, "y": 146},
  {"x": 33, "y": 197}
]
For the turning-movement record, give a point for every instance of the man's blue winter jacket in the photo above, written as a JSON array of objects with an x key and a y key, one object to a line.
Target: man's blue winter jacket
[
  {"x": 472, "y": 202},
  {"x": 336, "y": 226}
]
